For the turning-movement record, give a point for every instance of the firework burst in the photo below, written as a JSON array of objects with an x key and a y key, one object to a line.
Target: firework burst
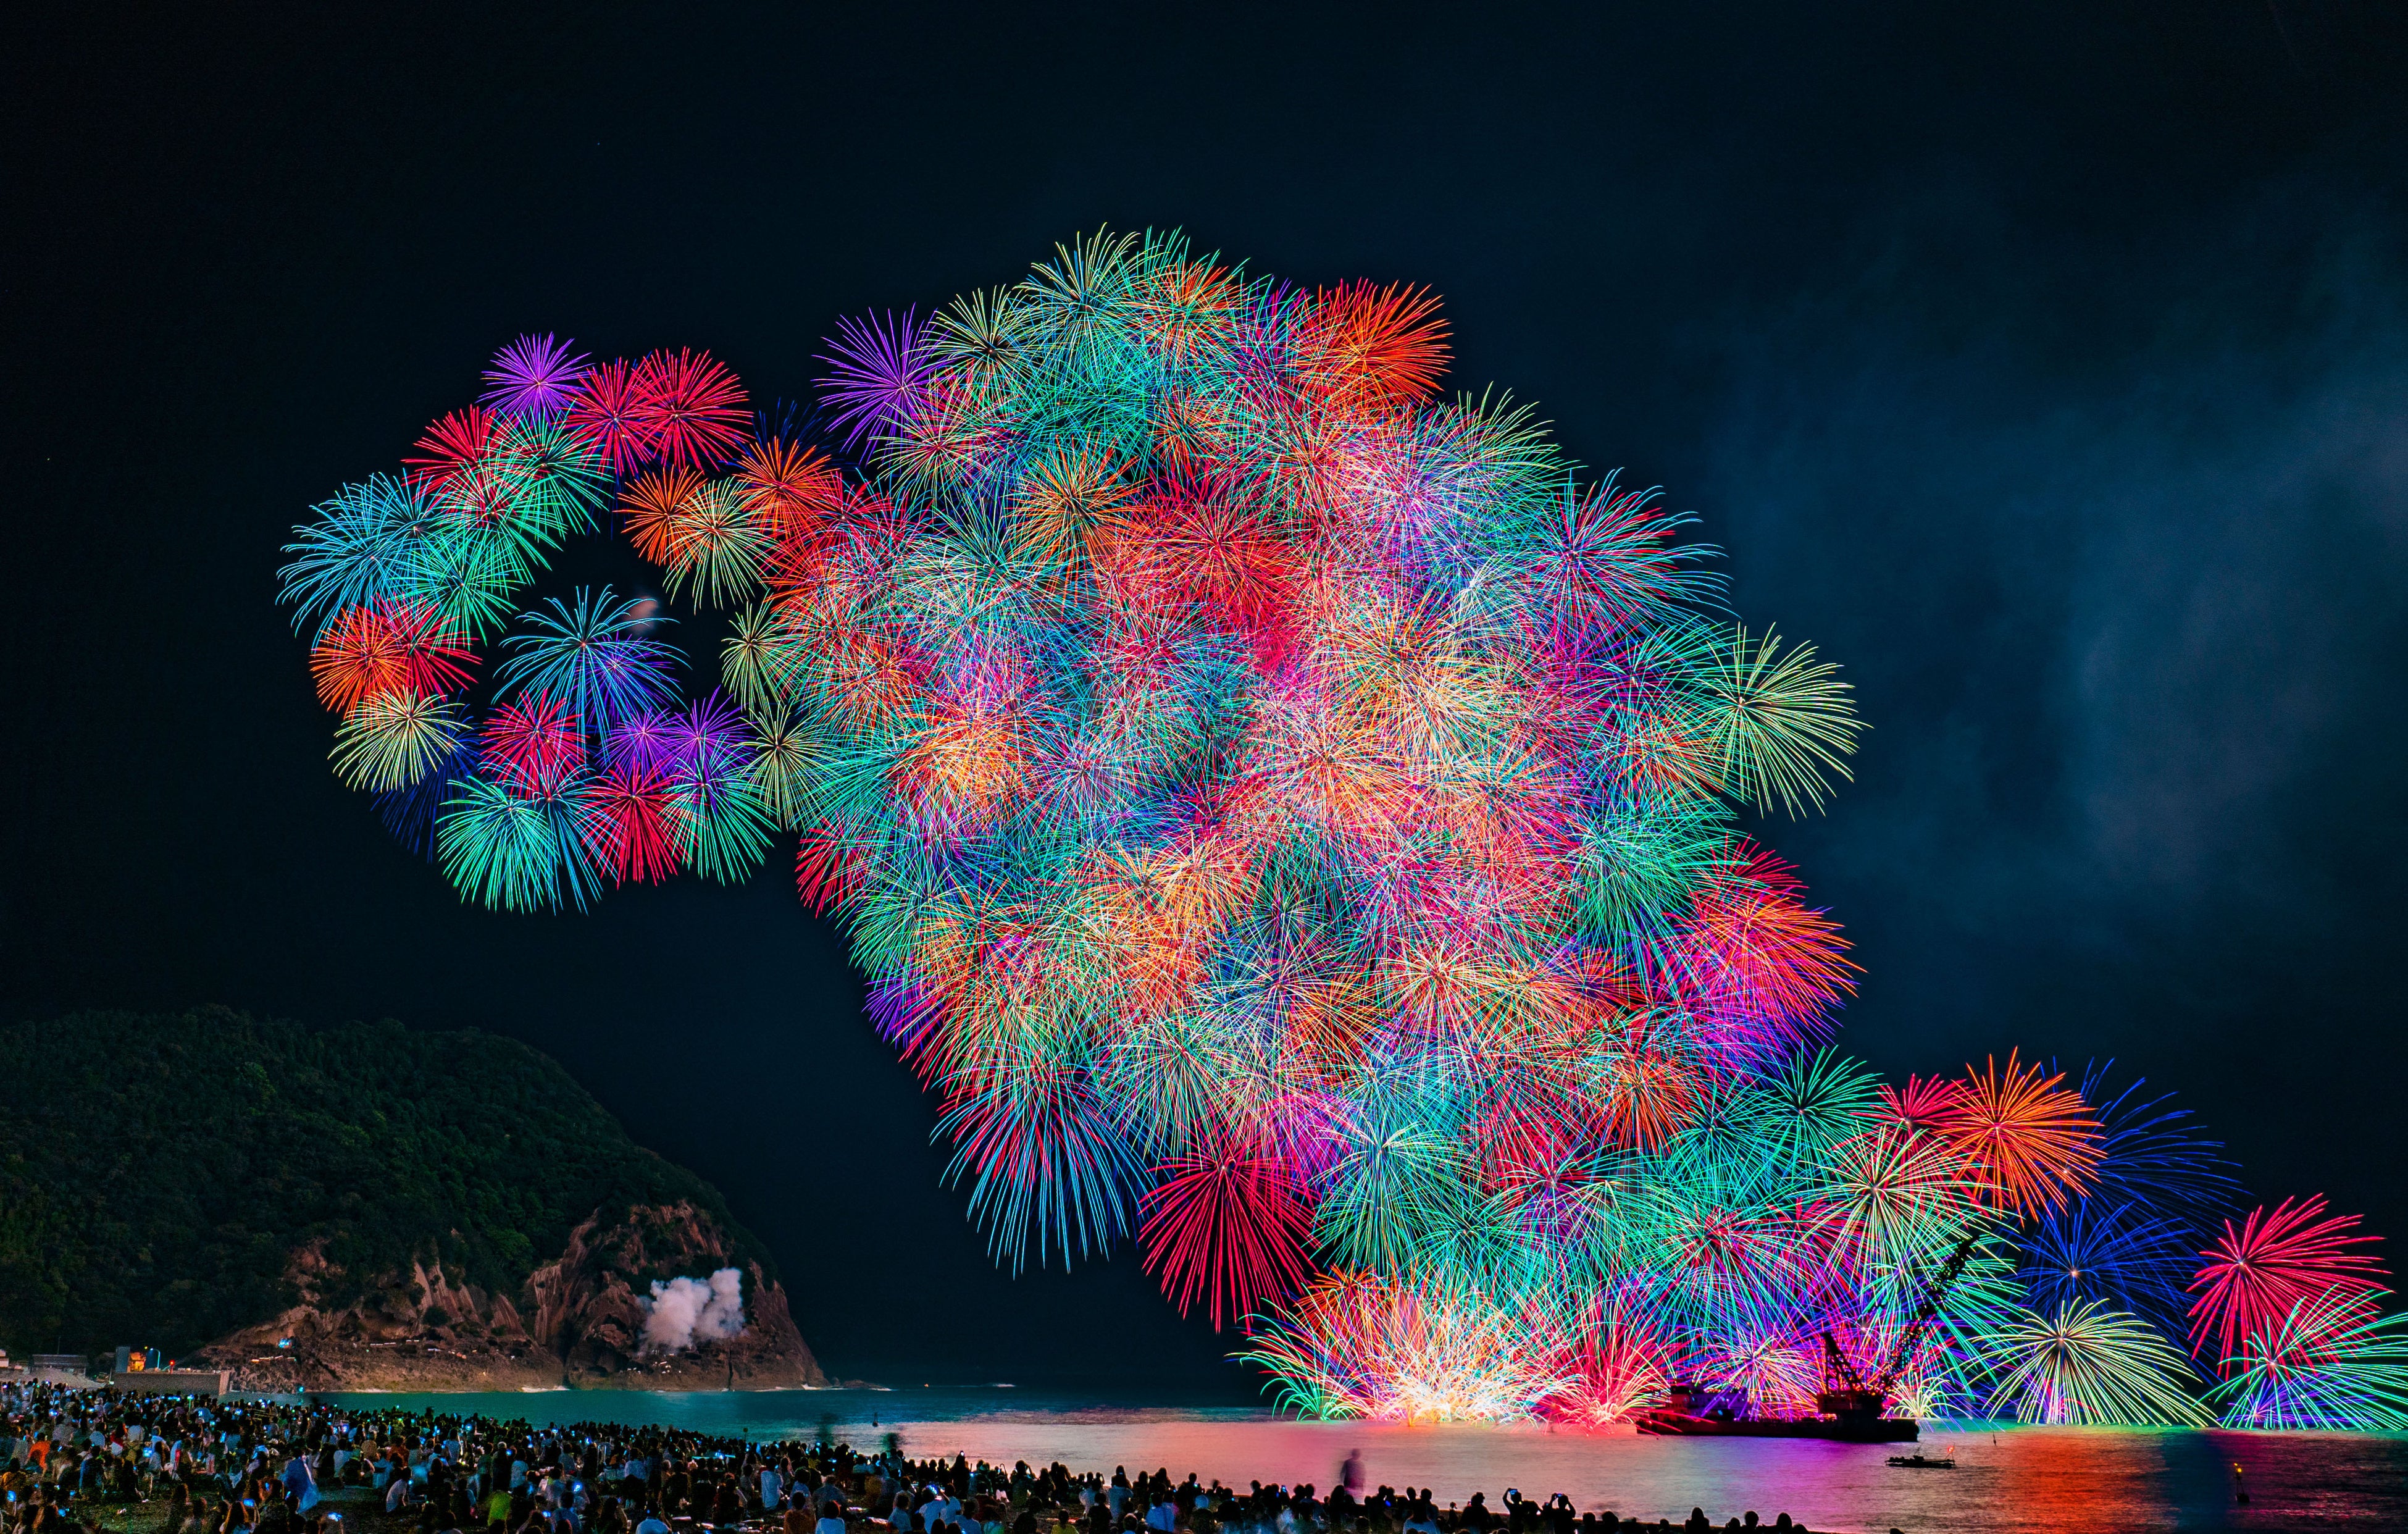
[
  {"x": 2333, "y": 1362},
  {"x": 2262, "y": 1267},
  {"x": 1287, "y": 817},
  {"x": 2088, "y": 1366},
  {"x": 533, "y": 377}
]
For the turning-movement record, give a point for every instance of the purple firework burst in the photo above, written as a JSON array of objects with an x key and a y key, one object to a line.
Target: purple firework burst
[
  {"x": 876, "y": 371},
  {"x": 531, "y": 376}
]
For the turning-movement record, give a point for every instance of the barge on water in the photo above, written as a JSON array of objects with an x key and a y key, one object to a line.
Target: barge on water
[{"x": 1845, "y": 1416}]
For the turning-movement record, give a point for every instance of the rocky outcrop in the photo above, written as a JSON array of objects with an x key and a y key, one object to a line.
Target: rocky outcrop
[{"x": 577, "y": 1320}]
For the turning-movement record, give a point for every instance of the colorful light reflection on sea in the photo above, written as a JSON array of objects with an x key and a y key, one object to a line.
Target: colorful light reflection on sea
[{"x": 2008, "y": 1478}]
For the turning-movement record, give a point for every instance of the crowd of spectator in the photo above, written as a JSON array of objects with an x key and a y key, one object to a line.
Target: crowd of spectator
[{"x": 255, "y": 1467}]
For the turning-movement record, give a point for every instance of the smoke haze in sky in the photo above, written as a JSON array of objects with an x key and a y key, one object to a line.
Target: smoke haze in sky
[
  {"x": 684, "y": 1311},
  {"x": 2116, "y": 552}
]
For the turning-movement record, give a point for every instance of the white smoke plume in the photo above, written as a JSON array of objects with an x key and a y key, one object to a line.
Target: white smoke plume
[{"x": 683, "y": 1312}]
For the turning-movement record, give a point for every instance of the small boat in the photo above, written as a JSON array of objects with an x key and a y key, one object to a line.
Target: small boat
[{"x": 1941, "y": 1461}]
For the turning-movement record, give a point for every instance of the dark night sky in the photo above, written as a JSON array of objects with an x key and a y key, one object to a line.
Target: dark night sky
[{"x": 2048, "y": 366}]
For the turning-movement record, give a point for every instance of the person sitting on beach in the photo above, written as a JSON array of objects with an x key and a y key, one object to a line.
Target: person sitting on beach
[
  {"x": 179, "y": 1509},
  {"x": 942, "y": 1507},
  {"x": 275, "y": 1516},
  {"x": 798, "y": 1515}
]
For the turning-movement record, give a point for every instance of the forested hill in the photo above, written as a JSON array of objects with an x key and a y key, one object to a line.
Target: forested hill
[{"x": 157, "y": 1173}]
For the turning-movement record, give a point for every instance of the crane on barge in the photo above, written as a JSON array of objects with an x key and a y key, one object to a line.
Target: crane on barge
[
  {"x": 1846, "y": 1394},
  {"x": 1850, "y": 1406}
]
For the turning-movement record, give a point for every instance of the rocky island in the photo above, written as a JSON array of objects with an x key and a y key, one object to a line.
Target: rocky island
[{"x": 365, "y": 1207}]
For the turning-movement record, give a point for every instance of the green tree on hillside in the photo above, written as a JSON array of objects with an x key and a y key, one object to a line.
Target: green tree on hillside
[{"x": 157, "y": 1172}]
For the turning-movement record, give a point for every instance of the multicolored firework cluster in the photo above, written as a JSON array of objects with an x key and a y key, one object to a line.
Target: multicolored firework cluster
[{"x": 1290, "y": 819}]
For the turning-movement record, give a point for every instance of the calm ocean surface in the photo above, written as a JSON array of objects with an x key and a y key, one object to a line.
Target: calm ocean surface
[{"x": 2007, "y": 1478}]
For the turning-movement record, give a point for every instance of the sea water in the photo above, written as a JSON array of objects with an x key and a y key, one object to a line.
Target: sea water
[{"x": 2007, "y": 1478}]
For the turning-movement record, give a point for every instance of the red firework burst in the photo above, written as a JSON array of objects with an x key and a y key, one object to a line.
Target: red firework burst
[
  {"x": 639, "y": 824},
  {"x": 451, "y": 446},
  {"x": 1228, "y": 1227},
  {"x": 605, "y": 407},
  {"x": 827, "y": 869},
  {"x": 2255, "y": 1272},
  {"x": 689, "y": 408},
  {"x": 536, "y": 742},
  {"x": 1924, "y": 1103}
]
